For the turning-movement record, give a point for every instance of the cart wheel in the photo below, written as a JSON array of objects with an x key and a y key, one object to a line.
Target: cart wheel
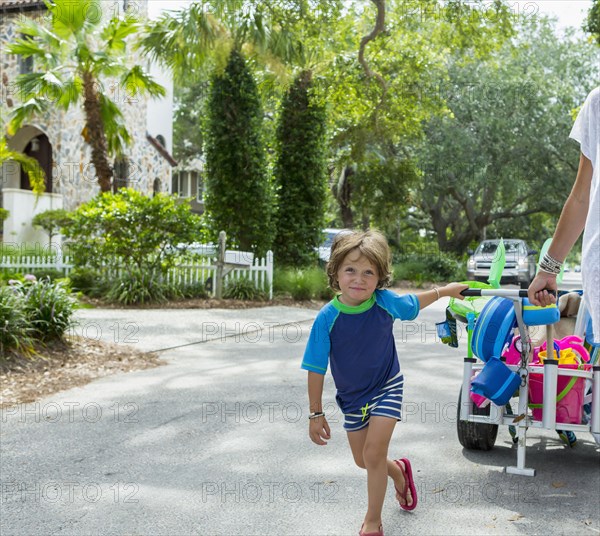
[{"x": 474, "y": 435}]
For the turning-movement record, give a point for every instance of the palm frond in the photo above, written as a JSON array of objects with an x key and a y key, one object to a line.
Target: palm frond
[
  {"x": 104, "y": 64},
  {"x": 117, "y": 136},
  {"x": 181, "y": 41},
  {"x": 24, "y": 112},
  {"x": 137, "y": 81},
  {"x": 115, "y": 33},
  {"x": 25, "y": 47},
  {"x": 70, "y": 19},
  {"x": 70, "y": 93}
]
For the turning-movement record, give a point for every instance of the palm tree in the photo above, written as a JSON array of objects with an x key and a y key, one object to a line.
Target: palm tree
[
  {"x": 195, "y": 40},
  {"x": 73, "y": 55}
]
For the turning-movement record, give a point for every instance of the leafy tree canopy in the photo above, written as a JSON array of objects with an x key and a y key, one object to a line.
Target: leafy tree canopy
[{"x": 502, "y": 154}]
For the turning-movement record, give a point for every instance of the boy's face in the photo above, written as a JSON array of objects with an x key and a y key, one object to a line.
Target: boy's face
[{"x": 357, "y": 278}]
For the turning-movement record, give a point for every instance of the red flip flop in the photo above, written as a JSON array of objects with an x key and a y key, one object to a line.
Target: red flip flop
[
  {"x": 408, "y": 484},
  {"x": 378, "y": 533}
]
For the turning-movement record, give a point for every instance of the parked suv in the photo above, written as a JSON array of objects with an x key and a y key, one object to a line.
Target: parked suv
[{"x": 520, "y": 264}]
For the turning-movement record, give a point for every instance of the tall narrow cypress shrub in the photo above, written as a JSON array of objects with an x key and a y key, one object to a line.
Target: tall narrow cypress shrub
[
  {"x": 239, "y": 197},
  {"x": 300, "y": 174}
]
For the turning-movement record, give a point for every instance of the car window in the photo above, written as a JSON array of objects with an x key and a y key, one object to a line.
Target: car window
[
  {"x": 487, "y": 247},
  {"x": 490, "y": 247}
]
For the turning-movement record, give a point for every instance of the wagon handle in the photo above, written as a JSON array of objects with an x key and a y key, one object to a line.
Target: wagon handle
[{"x": 505, "y": 293}]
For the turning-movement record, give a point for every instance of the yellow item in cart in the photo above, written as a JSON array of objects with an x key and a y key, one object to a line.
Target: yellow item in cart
[{"x": 567, "y": 357}]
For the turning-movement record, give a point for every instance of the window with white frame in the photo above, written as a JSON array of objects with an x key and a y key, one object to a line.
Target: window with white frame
[
  {"x": 181, "y": 184},
  {"x": 188, "y": 184}
]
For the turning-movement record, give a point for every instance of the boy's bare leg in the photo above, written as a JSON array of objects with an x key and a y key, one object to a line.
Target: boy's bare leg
[
  {"x": 375, "y": 452},
  {"x": 357, "y": 445}
]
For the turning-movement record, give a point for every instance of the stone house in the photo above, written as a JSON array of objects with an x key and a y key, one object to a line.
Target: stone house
[{"x": 55, "y": 139}]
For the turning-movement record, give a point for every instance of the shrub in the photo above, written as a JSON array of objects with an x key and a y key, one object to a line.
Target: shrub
[
  {"x": 89, "y": 281},
  {"x": 15, "y": 331},
  {"x": 302, "y": 284},
  {"x": 139, "y": 287},
  {"x": 5, "y": 277},
  {"x": 410, "y": 270},
  {"x": 131, "y": 231},
  {"x": 193, "y": 290},
  {"x": 48, "y": 273},
  {"x": 443, "y": 267},
  {"x": 242, "y": 289},
  {"x": 49, "y": 308},
  {"x": 435, "y": 267}
]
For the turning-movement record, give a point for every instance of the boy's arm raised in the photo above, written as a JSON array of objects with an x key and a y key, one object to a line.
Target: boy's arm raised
[{"x": 451, "y": 290}]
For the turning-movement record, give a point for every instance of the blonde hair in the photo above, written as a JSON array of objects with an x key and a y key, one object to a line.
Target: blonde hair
[{"x": 370, "y": 244}]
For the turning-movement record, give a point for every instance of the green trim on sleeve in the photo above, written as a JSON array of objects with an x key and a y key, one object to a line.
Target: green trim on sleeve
[{"x": 313, "y": 368}]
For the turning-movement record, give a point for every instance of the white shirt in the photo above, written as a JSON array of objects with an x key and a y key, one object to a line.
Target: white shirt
[{"x": 586, "y": 131}]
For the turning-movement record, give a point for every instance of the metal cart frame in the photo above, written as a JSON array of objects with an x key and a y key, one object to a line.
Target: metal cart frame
[{"x": 523, "y": 420}]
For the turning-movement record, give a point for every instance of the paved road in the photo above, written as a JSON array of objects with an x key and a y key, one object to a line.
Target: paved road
[
  {"x": 215, "y": 443},
  {"x": 571, "y": 281}
]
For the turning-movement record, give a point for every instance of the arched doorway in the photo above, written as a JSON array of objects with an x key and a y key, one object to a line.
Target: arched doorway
[
  {"x": 39, "y": 148},
  {"x": 33, "y": 142}
]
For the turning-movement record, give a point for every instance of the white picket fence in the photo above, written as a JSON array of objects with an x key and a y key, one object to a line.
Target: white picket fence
[
  {"x": 27, "y": 263},
  {"x": 189, "y": 272}
]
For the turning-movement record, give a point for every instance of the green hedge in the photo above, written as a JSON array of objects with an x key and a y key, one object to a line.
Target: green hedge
[
  {"x": 435, "y": 267},
  {"x": 302, "y": 284}
]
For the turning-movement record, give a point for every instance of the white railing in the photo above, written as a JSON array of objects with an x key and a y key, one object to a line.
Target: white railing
[
  {"x": 189, "y": 272},
  {"x": 27, "y": 263},
  {"x": 260, "y": 271}
]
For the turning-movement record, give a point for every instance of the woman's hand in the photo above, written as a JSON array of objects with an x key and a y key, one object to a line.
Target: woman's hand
[
  {"x": 453, "y": 290},
  {"x": 537, "y": 292},
  {"x": 318, "y": 430}
]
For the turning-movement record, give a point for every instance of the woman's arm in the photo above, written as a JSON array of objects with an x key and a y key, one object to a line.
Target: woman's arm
[
  {"x": 574, "y": 213},
  {"x": 570, "y": 225}
]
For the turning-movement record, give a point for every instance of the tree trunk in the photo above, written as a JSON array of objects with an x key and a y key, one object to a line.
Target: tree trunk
[
  {"x": 94, "y": 133},
  {"x": 342, "y": 191}
]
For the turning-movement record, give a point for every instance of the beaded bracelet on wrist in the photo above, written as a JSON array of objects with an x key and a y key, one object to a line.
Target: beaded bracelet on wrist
[
  {"x": 552, "y": 268},
  {"x": 550, "y": 263},
  {"x": 542, "y": 269}
]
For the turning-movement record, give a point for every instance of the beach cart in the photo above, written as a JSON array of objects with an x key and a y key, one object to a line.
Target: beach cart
[{"x": 557, "y": 390}]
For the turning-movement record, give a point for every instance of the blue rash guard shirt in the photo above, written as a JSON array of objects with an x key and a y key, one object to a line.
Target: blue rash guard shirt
[{"x": 359, "y": 343}]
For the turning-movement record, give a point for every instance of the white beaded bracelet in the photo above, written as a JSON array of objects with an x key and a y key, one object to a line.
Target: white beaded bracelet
[{"x": 437, "y": 292}]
